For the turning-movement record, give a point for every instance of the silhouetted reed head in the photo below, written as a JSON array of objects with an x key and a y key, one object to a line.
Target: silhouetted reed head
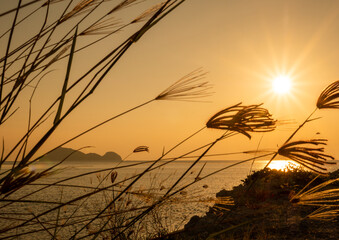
[
  {"x": 124, "y": 4},
  {"x": 105, "y": 26},
  {"x": 148, "y": 13},
  {"x": 80, "y": 8},
  {"x": 303, "y": 153},
  {"x": 243, "y": 119},
  {"x": 329, "y": 98},
  {"x": 187, "y": 88},
  {"x": 114, "y": 176},
  {"x": 141, "y": 149}
]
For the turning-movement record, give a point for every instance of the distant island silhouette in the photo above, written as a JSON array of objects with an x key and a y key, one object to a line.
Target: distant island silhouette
[{"x": 75, "y": 156}]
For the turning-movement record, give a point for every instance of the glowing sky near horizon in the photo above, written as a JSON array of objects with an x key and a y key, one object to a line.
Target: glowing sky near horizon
[{"x": 244, "y": 45}]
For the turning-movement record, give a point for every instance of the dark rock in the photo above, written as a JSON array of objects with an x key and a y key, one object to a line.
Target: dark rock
[
  {"x": 263, "y": 210},
  {"x": 74, "y": 156}
]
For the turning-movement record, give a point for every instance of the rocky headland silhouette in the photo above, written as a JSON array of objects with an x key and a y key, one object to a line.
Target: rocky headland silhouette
[{"x": 74, "y": 156}]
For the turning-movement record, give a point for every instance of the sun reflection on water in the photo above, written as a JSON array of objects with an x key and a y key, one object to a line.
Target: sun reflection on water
[{"x": 282, "y": 164}]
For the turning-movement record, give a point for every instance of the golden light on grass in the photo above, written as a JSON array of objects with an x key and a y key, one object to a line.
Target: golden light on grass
[
  {"x": 325, "y": 196},
  {"x": 282, "y": 84},
  {"x": 306, "y": 154}
]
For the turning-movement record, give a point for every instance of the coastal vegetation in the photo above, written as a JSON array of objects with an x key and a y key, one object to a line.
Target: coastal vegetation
[{"x": 276, "y": 206}]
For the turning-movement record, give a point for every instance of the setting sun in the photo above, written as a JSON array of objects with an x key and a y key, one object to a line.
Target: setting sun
[{"x": 281, "y": 84}]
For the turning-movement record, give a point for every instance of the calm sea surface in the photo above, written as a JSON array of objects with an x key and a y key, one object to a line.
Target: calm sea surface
[{"x": 193, "y": 200}]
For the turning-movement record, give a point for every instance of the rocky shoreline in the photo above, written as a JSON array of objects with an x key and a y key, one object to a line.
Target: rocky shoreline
[{"x": 266, "y": 207}]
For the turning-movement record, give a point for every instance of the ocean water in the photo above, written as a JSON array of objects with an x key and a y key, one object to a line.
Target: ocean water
[{"x": 191, "y": 198}]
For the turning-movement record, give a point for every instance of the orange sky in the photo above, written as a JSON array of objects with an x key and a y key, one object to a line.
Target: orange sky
[{"x": 243, "y": 45}]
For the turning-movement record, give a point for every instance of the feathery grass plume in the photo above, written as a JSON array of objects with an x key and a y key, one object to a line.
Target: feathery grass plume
[
  {"x": 310, "y": 157},
  {"x": 80, "y": 8},
  {"x": 102, "y": 27},
  {"x": 149, "y": 12},
  {"x": 324, "y": 214},
  {"x": 321, "y": 195},
  {"x": 20, "y": 178},
  {"x": 187, "y": 88},
  {"x": 329, "y": 98},
  {"x": 56, "y": 57},
  {"x": 124, "y": 4},
  {"x": 221, "y": 204},
  {"x": 114, "y": 175},
  {"x": 141, "y": 149},
  {"x": 243, "y": 119}
]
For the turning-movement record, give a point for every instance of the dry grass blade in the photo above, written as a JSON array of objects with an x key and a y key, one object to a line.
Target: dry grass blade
[
  {"x": 57, "y": 57},
  {"x": 50, "y": 2},
  {"x": 7, "y": 56},
  {"x": 323, "y": 195},
  {"x": 141, "y": 149},
  {"x": 329, "y": 98},
  {"x": 80, "y": 8},
  {"x": 68, "y": 71},
  {"x": 148, "y": 13},
  {"x": 243, "y": 119},
  {"x": 124, "y": 4},
  {"x": 21, "y": 7},
  {"x": 320, "y": 195},
  {"x": 187, "y": 88},
  {"x": 102, "y": 27},
  {"x": 308, "y": 156},
  {"x": 221, "y": 204},
  {"x": 324, "y": 214},
  {"x": 19, "y": 178}
]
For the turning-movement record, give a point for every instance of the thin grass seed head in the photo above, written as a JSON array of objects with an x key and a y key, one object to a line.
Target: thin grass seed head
[
  {"x": 124, "y": 4},
  {"x": 141, "y": 149},
  {"x": 56, "y": 57},
  {"x": 305, "y": 154},
  {"x": 329, "y": 98},
  {"x": 323, "y": 195},
  {"x": 324, "y": 214},
  {"x": 243, "y": 119},
  {"x": 20, "y": 178},
  {"x": 222, "y": 204},
  {"x": 106, "y": 26},
  {"x": 114, "y": 176},
  {"x": 80, "y": 8},
  {"x": 187, "y": 88},
  {"x": 148, "y": 13},
  {"x": 50, "y": 2}
]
